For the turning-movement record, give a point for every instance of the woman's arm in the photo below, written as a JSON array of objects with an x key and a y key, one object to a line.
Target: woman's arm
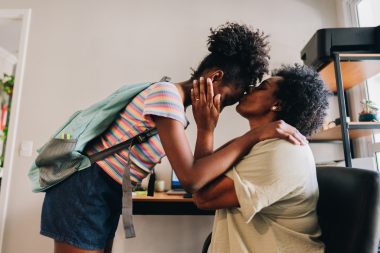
[{"x": 218, "y": 194}]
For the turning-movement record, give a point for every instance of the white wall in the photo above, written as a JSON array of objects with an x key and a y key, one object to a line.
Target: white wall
[
  {"x": 80, "y": 51},
  {"x": 7, "y": 62}
]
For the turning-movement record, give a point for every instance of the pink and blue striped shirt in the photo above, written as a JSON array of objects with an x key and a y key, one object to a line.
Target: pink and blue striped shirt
[{"x": 160, "y": 99}]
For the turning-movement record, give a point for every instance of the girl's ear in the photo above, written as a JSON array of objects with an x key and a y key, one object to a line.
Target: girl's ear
[{"x": 217, "y": 76}]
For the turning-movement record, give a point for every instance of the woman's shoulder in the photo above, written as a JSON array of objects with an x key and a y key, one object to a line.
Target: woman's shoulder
[
  {"x": 277, "y": 143},
  {"x": 279, "y": 156},
  {"x": 281, "y": 148}
]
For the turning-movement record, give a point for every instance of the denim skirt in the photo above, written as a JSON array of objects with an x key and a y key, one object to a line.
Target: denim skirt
[{"x": 83, "y": 210}]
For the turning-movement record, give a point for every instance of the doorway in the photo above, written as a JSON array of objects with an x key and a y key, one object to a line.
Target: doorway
[{"x": 14, "y": 30}]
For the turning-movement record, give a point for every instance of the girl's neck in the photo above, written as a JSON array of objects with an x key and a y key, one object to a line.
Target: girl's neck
[{"x": 184, "y": 90}]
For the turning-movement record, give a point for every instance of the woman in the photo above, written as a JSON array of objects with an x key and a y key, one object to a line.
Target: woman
[
  {"x": 82, "y": 212},
  {"x": 267, "y": 202}
]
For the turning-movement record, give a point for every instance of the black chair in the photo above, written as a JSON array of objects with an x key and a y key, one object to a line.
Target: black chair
[{"x": 348, "y": 210}]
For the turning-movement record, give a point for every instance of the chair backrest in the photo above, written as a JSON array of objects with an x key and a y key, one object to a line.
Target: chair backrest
[{"x": 348, "y": 209}]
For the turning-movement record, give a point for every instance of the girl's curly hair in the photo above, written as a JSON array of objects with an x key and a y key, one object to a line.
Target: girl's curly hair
[
  {"x": 303, "y": 97},
  {"x": 240, "y": 51}
]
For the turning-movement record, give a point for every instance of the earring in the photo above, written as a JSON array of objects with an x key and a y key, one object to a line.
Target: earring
[{"x": 274, "y": 108}]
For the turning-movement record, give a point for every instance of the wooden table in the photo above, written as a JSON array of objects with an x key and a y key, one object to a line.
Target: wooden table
[{"x": 164, "y": 204}]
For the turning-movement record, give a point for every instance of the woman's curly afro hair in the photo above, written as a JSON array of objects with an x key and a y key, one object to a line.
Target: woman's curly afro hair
[
  {"x": 240, "y": 51},
  {"x": 303, "y": 97}
]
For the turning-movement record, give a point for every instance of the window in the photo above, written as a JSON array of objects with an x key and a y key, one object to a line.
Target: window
[
  {"x": 368, "y": 16},
  {"x": 367, "y": 13}
]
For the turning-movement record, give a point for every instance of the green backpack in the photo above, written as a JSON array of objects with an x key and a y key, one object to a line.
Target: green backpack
[{"x": 62, "y": 155}]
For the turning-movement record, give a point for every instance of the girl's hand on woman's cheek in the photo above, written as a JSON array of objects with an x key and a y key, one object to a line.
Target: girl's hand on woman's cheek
[{"x": 206, "y": 106}]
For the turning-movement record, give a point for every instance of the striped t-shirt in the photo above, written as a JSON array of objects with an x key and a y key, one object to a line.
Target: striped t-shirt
[{"x": 161, "y": 99}]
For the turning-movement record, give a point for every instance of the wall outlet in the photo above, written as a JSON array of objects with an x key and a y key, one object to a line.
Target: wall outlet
[{"x": 26, "y": 148}]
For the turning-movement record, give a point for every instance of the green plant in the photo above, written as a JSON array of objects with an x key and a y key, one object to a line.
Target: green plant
[
  {"x": 369, "y": 107},
  {"x": 6, "y": 89},
  {"x": 6, "y": 83}
]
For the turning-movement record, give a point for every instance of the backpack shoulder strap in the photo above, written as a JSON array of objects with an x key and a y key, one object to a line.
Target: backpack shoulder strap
[{"x": 140, "y": 138}]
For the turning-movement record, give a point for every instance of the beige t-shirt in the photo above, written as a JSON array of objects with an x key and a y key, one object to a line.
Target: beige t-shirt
[{"x": 277, "y": 190}]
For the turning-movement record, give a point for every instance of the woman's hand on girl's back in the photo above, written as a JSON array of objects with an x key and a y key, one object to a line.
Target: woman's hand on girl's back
[{"x": 206, "y": 106}]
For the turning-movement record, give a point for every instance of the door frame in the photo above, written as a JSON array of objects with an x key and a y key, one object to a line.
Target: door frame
[{"x": 25, "y": 16}]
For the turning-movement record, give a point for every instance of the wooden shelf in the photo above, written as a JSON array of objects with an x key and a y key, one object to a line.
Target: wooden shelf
[
  {"x": 356, "y": 130},
  {"x": 353, "y": 72},
  {"x": 164, "y": 204}
]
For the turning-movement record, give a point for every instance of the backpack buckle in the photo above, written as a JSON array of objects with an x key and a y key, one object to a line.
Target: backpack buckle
[{"x": 141, "y": 138}]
